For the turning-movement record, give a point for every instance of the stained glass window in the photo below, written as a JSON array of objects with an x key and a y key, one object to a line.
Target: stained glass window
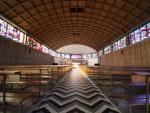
[
  {"x": 67, "y": 55},
  {"x": 137, "y": 35},
  {"x": 45, "y": 49},
  {"x": 39, "y": 47},
  {"x": 94, "y": 55},
  {"x": 17, "y": 35},
  {"x": 10, "y": 31},
  {"x": 13, "y": 33},
  {"x": 76, "y": 56},
  {"x": 62, "y": 55},
  {"x": 132, "y": 38},
  {"x": 31, "y": 42},
  {"x": 51, "y": 52},
  {"x": 122, "y": 42},
  {"x": 143, "y": 31},
  {"x": 3, "y": 27},
  {"x": 22, "y": 37},
  {"x": 79, "y": 56},
  {"x": 100, "y": 52},
  {"x": 115, "y": 46},
  {"x": 89, "y": 56},
  {"x": 107, "y": 50},
  {"x": 119, "y": 44},
  {"x": 140, "y": 34},
  {"x": 84, "y": 56},
  {"x": 58, "y": 55},
  {"x": 73, "y": 56},
  {"x": 148, "y": 30}
]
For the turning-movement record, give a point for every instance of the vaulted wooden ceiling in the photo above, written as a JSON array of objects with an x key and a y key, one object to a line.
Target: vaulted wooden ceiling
[{"x": 94, "y": 23}]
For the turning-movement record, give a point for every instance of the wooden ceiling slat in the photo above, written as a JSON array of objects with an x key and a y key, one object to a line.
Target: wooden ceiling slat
[{"x": 101, "y": 22}]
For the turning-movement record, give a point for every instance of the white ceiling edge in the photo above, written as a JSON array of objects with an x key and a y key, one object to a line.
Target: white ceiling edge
[{"x": 76, "y": 49}]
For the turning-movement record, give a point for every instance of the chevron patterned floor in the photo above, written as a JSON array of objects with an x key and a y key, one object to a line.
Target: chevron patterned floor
[{"x": 75, "y": 93}]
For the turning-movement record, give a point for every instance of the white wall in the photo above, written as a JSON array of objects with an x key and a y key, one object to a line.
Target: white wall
[{"x": 76, "y": 49}]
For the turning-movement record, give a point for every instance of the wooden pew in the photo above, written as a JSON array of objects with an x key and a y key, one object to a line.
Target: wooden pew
[
  {"x": 16, "y": 98},
  {"x": 39, "y": 75}
]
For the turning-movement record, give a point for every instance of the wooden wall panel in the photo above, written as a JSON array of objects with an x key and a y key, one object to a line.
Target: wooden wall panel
[
  {"x": 137, "y": 55},
  {"x": 12, "y": 53}
]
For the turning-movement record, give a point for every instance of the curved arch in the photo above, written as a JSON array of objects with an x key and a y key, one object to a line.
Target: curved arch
[
  {"x": 90, "y": 31},
  {"x": 100, "y": 23},
  {"x": 72, "y": 16},
  {"x": 91, "y": 18},
  {"x": 60, "y": 8},
  {"x": 87, "y": 36},
  {"x": 104, "y": 28}
]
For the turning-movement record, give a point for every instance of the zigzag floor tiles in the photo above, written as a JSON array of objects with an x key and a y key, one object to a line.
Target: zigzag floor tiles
[{"x": 75, "y": 93}]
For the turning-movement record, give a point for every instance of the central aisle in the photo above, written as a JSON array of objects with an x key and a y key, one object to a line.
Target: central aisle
[{"x": 75, "y": 93}]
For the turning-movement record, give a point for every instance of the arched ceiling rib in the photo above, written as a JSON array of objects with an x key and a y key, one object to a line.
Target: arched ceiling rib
[{"x": 99, "y": 23}]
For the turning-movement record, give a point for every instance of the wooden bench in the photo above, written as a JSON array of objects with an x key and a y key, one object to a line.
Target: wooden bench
[
  {"x": 16, "y": 98},
  {"x": 37, "y": 74},
  {"x": 137, "y": 108},
  {"x": 32, "y": 70}
]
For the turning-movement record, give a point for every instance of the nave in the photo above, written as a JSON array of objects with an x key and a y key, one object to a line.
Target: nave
[{"x": 42, "y": 42}]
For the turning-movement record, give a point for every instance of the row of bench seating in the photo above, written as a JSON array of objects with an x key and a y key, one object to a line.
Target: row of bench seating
[
  {"x": 32, "y": 82},
  {"x": 120, "y": 81}
]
